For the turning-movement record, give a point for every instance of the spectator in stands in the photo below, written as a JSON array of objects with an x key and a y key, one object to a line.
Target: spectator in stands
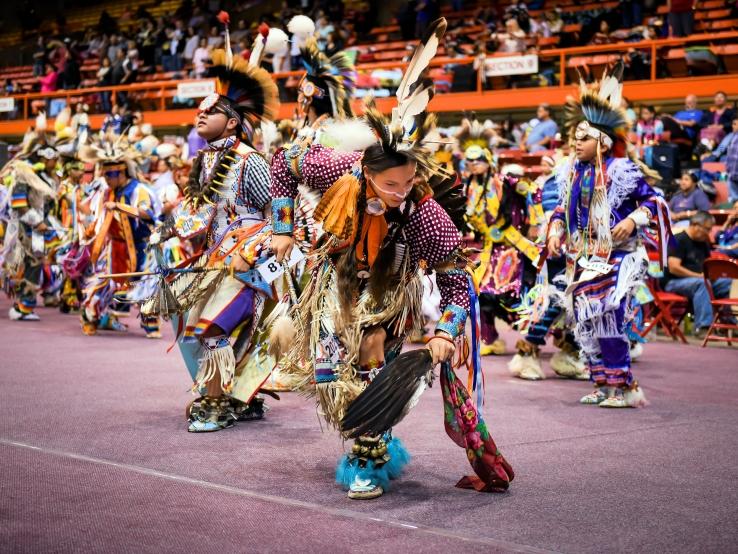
[
  {"x": 542, "y": 134},
  {"x": 555, "y": 23},
  {"x": 107, "y": 25},
  {"x": 215, "y": 39},
  {"x": 716, "y": 123},
  {"x": 171, "y": 59},
  {"x": 118, "y": 74},
  {"x": 649, "y": 131},
  {"x": 49, "y": 80},
  {"x": 10, "y": 87},
  {"x": 198, "y": 18},
  {"x": 241, "y": 32},
  {"x": 40, "y": 57},
  {"x": 603, "y": 35},
  {"x": 193, "y": 40},
  {"x": 428, "y": 11},
  {"x": 539, "y": 27},
  {"x": 547, "y": 167},
  {"x": 112, "y": 121},
  {"x": 146, "y": 38},
  {"x": 115, "y": 46},
  {"x": 512, "y": 40},
  {"x": 105, "y": 79},
  {"x": 70, "y": 77},
  {"x": 130, "y": 64},
  {"x": 731, "y": 168},
  {"x": 727, "y": 238},
  {"x": 690, "y": 117},
  {"x": 632, "y": 13},
  {"x": 684, "y": 274},
  {"x": 333, "y": 44},
  {"x": 200, "y": 58},
  {"x": 681, "y": 17},
  {"x": 689, "y": 200},
  {"x": 720, "y": 154}
]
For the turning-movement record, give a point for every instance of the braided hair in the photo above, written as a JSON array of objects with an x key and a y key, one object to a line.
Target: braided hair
[{"x": 376, "y": 159}]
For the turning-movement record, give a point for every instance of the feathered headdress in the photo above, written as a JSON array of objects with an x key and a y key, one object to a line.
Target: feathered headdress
[
  {"x": 597, "y": 112},
  {"x": 107, "y": 152},
  {"x": 243, "y": 91},
  {"x": 402, "y": 133},
  {"x": 331, "y": 80},
  {"x": 474, "y": 137},
  {"x": 409, "y": 123}
]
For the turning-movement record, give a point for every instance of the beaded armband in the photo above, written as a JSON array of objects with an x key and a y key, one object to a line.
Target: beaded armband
[
  {"x": 453, "y": 320},
  {"x": 283, "y": 216}
]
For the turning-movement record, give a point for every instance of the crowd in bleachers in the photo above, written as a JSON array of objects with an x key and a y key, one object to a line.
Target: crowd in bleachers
[{"x": 139, "y": 45}]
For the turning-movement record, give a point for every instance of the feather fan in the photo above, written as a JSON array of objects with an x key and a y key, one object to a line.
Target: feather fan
[{"x": 390, "y": 396}]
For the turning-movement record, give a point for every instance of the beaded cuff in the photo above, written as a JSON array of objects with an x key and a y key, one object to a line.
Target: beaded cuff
[
  {"x": 283, "y": 216},
  {"x": 453, "y": 320}
]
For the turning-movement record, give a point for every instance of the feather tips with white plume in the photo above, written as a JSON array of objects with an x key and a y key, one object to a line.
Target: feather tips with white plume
[
  {"x": 302, "y": 26},
  {"x": 424, "y": 53},
  {"x": 349, "y": 135}
]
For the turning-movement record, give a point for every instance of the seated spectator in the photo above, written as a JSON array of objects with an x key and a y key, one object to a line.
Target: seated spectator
[
  {"x": 542, "y": 134},
  {"x": 689, "y": 200},
  {"x": 512, "y": 40},
  {"x": 716, "y": 122},
  {"x": 539, "y": 27},
  {"x": 684, "y": 272},
  {"x": 690, "y": 117},
  {"x": 720, "y": 154},
  {"x": 649, "y": 131},
  {"x": 555, "y": 23},
  {"x": 649, "y": 128},
  {"x": 603, "y": 35}
]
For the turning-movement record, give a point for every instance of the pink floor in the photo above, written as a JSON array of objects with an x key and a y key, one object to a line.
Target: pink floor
[{"x": 96, "y": 457}]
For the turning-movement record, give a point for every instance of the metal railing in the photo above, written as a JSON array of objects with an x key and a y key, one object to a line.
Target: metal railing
[{"x": 161, "y": 95}]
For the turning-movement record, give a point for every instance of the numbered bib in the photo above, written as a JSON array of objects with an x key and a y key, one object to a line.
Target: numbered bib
[
  {"x": 596, "y": 265},
  {"x": 271, "y": 269}
]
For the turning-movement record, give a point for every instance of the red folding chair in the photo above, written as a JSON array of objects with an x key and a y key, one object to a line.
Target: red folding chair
[
  {"x": 721, "y": 269},
  {"x": 667, "y": 311}
]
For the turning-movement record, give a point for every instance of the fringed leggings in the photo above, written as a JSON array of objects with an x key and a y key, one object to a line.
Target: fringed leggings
[{"x": 601, "y": 335}]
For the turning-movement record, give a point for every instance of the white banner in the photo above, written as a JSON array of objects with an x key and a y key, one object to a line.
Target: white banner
[
  {"x": 195, "y": 89},
  {"x": 7, "y": 104},
  {"x": 510, "y": 65}
]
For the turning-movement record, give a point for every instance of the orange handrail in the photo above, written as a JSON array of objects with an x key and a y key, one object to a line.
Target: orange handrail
[{"x": 165, "y": 88}]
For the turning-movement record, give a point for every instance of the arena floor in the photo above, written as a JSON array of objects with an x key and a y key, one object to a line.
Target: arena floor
[{"x": 95, "y": 456}]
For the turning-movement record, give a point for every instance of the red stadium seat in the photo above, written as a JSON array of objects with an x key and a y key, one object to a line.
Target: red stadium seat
[
  {"x": 723, "y": 25},
  {"x": 729, "y": 55},
  {"x": 676, "y": 62},
  {"x": 721, "y": 187},
  {"x": 721, "y": 269}
]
